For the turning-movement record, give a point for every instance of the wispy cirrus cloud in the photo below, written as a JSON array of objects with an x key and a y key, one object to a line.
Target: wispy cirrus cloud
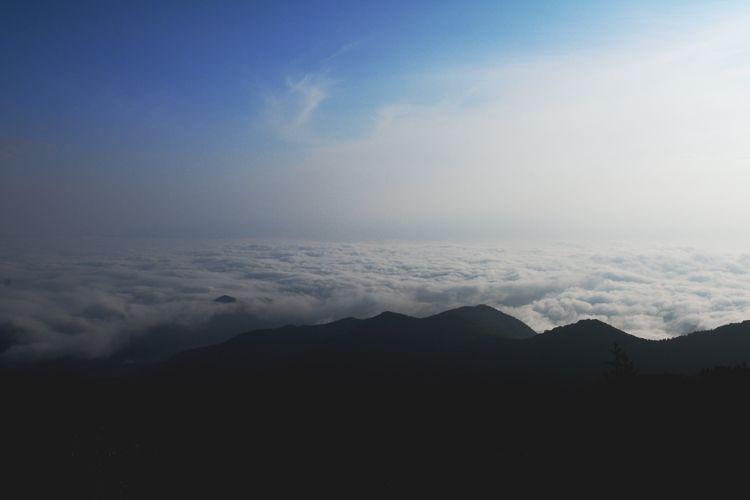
[
  {"x": 345, "y": 49},
  {"x": 311, "y": 92},
  {"x": 290, "y": 112}
]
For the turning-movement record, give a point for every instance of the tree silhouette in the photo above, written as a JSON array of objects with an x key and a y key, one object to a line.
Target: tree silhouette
[{"x": 621, "y": 365}]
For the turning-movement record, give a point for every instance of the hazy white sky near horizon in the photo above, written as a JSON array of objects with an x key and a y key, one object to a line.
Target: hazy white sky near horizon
[{"x": 440, "y": 121}]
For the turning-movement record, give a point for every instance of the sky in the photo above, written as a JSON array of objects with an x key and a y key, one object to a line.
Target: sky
[
  {"x": 369, "y": 121},
  {"x": 556, "y": 160}
]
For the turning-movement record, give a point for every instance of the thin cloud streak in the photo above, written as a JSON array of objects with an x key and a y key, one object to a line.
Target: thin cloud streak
[
  {"x": 343, "y": 50},
  {"x": 311, "y": 93},
  {"x": 289, "y": 113}
]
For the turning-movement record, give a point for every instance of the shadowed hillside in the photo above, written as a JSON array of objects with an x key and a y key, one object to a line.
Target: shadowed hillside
[
  {"x": 474, "y": 342},
  {"x": 389, "y": 343},
  {"x": 393, "y": 407}
]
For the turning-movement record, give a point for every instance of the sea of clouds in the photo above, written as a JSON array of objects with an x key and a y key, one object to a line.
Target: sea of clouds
[{"x": 147, "y": 299}]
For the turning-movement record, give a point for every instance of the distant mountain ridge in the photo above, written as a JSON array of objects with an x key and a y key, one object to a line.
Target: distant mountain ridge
[
  {"x": 477, "y": 341},
  {"x": 386, "y": 341}
]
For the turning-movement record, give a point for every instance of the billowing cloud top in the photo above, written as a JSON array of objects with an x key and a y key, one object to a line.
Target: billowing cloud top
[{"x": 148, "y": 299}]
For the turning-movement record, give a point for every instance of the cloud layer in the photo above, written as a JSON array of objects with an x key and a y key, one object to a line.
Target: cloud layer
[{"x": 149, "y": 299}]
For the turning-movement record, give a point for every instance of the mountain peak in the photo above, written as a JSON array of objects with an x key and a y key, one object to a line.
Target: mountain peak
[
  {"x": 496, "y": 321},
  {"x": 226, "y": 299}
]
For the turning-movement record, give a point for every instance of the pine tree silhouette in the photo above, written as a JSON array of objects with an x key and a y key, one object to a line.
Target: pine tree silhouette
[{"x": 621, "y": 365}]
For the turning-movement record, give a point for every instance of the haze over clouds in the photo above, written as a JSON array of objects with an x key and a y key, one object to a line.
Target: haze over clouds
[{"x": 111, "y": 295}]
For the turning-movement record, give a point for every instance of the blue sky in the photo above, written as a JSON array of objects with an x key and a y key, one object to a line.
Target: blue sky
[{"x": 375, "y": 120}]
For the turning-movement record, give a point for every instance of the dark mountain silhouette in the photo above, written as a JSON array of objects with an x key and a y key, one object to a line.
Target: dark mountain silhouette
[
  {"x": 574, "y": 355},
  {"x": 466, "y": 403},
  {"x": 226, "y": 299},
  {"x": 397, "y": 344},
  {"x": 465, "y": 342},
  {"x": 389, "y": 342},
  {"x": 247, "y": 354},
  {"x": 571, "y": 355}
]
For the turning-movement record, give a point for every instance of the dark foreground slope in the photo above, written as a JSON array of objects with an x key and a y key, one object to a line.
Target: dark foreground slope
[
  {"x": 468, "y": 343},
  {"x": 339, "y": 411},
  {"x": 293, "y": 438},
  {"x": 389, "y": 343},
  {"x": 575, "y": 355}
]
